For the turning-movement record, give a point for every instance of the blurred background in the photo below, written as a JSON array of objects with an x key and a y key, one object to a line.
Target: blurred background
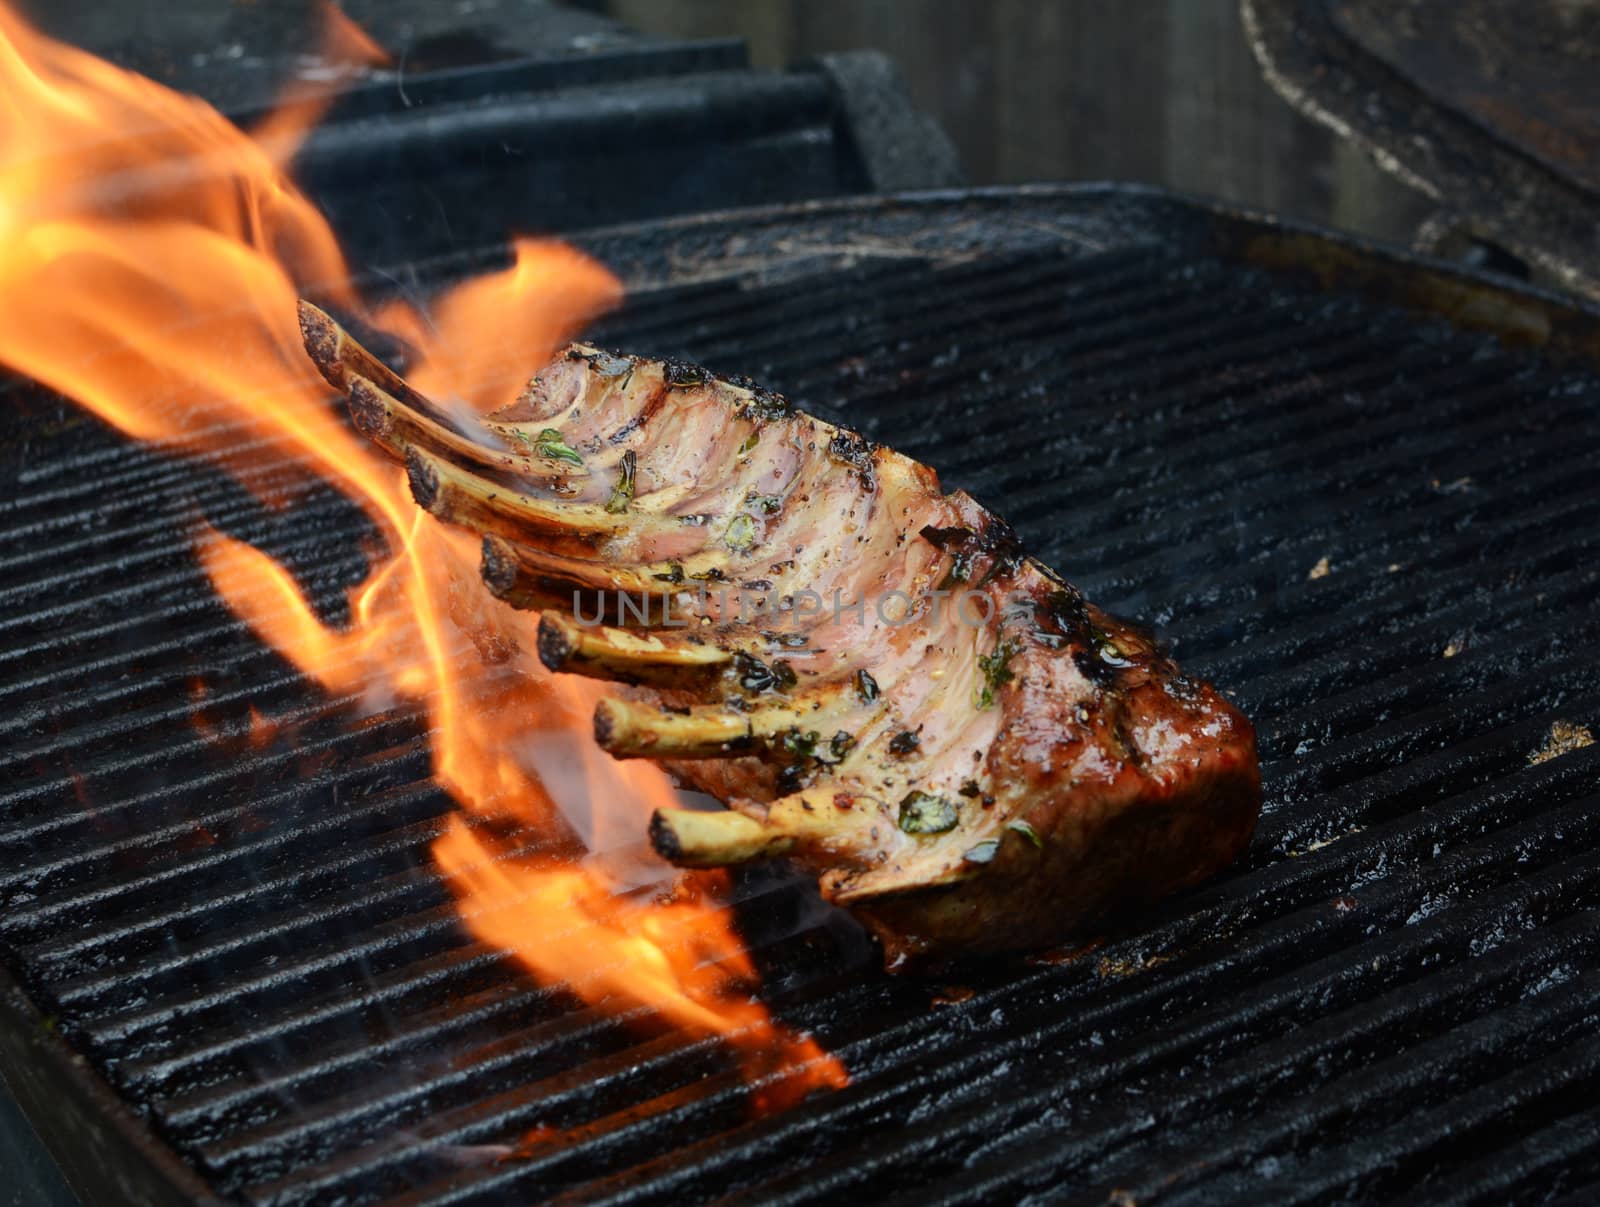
[{"x": 1161, "y": 91}]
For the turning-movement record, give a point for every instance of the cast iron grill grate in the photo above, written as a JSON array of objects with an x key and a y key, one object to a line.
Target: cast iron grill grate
[{"x": 1398, "y": 986}]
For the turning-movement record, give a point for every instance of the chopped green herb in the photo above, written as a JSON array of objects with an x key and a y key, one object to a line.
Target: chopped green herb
[
  {"x": 960, "y": 571},
  {"x": 1027, "y": 831},
  {"x": 682, "y": 374},
  {"x": 622, "y": 492},
  {"x": 904, "y": 742},
  {"x": 1112, "y": 654},
  {"x": 767, "y": 504},
  {"x": 609, "y": 364},
  {"x": 674, "y": 574},
  {"x": 924, "y": 813},
  {"x": 750, "y": 441},
  {"x": 983, "y": 852},
  {"x": 961, "y": 544},
  {"x": 856, "y": 451},
  {"x": 756, "y": 676},
  {"x": 945, "y": 538},
  {"x": 806, "y": 751},
  {"x": 741, "y": 534},
  {"x": 765, "y": 406},
  {"x": 996, "y": 667},
  {"x": 800, "y": 745},
  {"x": 552, "y": 444},
  {"x": 866, "y": 687}
]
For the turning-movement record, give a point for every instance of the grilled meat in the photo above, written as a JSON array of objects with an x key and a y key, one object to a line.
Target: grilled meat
[{"x": 869, "y": 671}]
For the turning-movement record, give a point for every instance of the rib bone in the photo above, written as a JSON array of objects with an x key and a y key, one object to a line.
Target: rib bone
[
  {"x": 630, "y": 730},
  {"x": 609, "y": 652},
  {"x": 340, "y": 359}
]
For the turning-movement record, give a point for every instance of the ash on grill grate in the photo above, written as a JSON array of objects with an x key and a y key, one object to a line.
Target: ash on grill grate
[{"x": 248, "y": 942}]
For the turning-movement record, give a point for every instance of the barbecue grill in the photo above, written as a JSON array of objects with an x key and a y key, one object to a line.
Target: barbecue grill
[
  {"x": 235, "y": 970},
  {"x": 1352, "y": 486}
]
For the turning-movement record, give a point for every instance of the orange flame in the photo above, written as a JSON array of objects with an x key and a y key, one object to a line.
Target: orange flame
[
  {"x": 153, "y": 254},
  {"x": 304, "y": 102}
]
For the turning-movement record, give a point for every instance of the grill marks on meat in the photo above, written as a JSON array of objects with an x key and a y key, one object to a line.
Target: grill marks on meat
[{"x": 965, "y": 785}]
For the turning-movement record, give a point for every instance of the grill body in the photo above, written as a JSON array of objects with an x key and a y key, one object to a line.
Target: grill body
[
  {"x": 232, "y": 973},
  {"x": 521, "y": 116}
]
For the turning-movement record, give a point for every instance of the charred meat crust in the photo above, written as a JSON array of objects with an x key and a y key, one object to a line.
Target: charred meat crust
[{"x": 662, "y": 837}]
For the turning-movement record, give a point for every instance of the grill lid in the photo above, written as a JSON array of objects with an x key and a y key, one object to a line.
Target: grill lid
[
  {"x": 1355, "y": 491},
  {"x": 1489, "y": 107}
]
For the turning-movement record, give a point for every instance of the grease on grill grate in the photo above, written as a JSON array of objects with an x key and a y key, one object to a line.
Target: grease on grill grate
[{"x": 243, "y": 932}]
